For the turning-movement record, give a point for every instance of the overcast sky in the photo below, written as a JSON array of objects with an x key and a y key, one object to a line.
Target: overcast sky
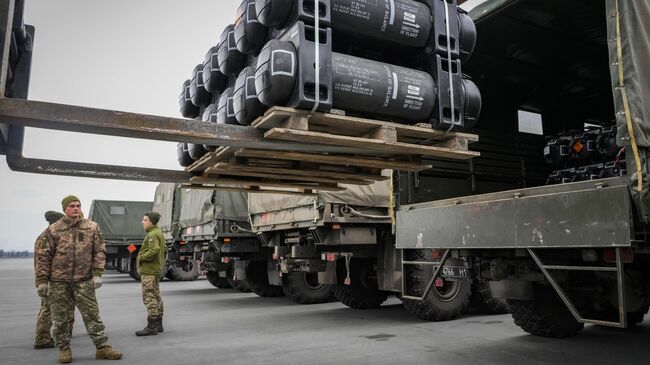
[{"x": 130, "y": 55}]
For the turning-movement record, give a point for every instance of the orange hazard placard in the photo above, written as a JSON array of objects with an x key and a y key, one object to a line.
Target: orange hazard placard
[
  {"x": 578, "y": 146},
  {"x": 131, "y": 248}
]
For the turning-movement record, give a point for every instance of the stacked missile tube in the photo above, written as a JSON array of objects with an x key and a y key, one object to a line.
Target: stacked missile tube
[{"x": 396, "y": 60}]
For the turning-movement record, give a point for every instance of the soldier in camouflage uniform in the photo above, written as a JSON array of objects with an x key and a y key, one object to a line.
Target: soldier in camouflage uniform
[
  {"x": 150, "y": 262},
  {"x": 69, "y": 265},
  {"x": 42, "y": 337}
]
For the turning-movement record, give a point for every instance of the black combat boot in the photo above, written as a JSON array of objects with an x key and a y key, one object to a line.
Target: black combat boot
[
  {"x": 159, "y": 323},
  {"x": 150, "y": 330}
]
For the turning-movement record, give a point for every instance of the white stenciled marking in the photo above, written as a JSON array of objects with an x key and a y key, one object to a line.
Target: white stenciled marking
[{"x": 395, "y": 85}]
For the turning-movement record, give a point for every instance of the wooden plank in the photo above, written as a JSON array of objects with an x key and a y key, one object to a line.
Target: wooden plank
[
  {"x": 379, "y": 145},
  {"x": 265, "y": 168},
  {"x": 247, "y": 190},
  {"x": 203, "y": 162},
  {"x": 362, "y": 161},
  {"x": 226, "y": 169},
  {"x": 225, "y": 153},
  {"x": 356, "y": 126},
  {"x": 274, "y": 116},
  {"x": 253, "y": 182}
]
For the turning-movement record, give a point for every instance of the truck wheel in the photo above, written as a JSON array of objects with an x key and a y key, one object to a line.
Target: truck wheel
[
  {"x": 446, "y": 300},
  {"x": 634, "y": 318},
  {"x": 217, "y": 281},
  {"x": 363, "y": 291},
  {"x": 545, "y": 316},
  {"x": 258, "y": 280},
  {"x": 304, "y": 288},
  {"x": 186, "y": 270},
  {"x": 483, "y": 300},
  {"x": 133, "y": 271}
]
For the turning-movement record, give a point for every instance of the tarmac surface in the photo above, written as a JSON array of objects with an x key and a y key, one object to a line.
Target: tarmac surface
[{"x": 205, "y": 325}]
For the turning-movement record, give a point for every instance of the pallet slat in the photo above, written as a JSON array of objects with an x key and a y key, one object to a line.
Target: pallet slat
[
  {"x": 237, "y": 183},
  {"x": 335, "y": 159},
  {"x": 379, "y": 145}
]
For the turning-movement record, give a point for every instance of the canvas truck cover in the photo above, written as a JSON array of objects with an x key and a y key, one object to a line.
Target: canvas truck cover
[
  {"x": 119, "y": 220},
  {"x": 374, "y": 195},
  {"x": 621, "y": 28},
  {"x": 203, "y": 206},
  {"x": 163, "y": 203}
]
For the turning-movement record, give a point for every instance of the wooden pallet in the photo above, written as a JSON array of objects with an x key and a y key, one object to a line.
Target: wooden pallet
[{"x": 383, "y": 145}]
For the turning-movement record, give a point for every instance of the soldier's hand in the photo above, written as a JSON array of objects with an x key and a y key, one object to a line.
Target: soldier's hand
[
  {"x": 97, "y": 282},
  {"x": 42, "y": 290}
]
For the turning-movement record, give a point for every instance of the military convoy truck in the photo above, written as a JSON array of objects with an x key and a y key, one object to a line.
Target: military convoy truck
[
  {"x": 200, "y": 225},
  {"x": 343, "y": 241},
  {"x": 120, "y": 224}
]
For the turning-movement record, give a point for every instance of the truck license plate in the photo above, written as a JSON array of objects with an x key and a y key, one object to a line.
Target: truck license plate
[{"x": 454, "y": 272}]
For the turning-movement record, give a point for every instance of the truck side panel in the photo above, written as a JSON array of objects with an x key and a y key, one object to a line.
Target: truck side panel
[{"x": 587, "y": 216}]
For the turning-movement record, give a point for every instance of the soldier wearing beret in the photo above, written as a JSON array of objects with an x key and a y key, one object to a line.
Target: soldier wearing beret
[
  {"x": 69, "y": 266},
  {"x": 150, "y": 262}
]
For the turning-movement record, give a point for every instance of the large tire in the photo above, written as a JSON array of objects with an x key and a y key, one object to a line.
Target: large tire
[
  {"x": 217, "y": 281},
  {"x": 186, "y": 271},
  {"x": 133, "y": 272},
  {"x": 483, "y": 301},
  {"x": 545, "y": 316},
  {"x": 635, "y": 318},
  {"x": 258, "y": 280},
  {"x": 441, "y": 303},
  {"x": 304, "y": 288},
  {"x": 363, "y": 291}
]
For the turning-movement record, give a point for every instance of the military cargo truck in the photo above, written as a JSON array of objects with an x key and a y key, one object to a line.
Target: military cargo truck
[
  {"x": 203, "y": 228},
  {"x": 344, "y": 241},
  {"x": 214, "y": 225},
  {"x": 120, "y": 223},
  {"x": 169, "y": 203},
  {"x": 571, "y": 250}
]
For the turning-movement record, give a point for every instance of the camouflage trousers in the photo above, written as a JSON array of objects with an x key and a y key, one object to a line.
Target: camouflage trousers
[
  {"x": 44, "y": 322},
  {"x": 151, "y": 295},
  {"x": 82, "y": 295}
]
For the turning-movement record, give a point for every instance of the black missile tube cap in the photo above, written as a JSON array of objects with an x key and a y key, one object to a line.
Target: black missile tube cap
[
  {"x": 231, "y": 61},
  {"x": 276, "y": 72},
  {"x": 225, "y": 110},
  {"x": 250, "y": 34},
  {"x": 214, "y": 80},
  {"x": 198, "y": 94},
  {"x": 247, "y": 105},
  {"x": 188, "y": 110},
  {"x": 183, "y": 155},
  {"x": 274, "y": 13}
]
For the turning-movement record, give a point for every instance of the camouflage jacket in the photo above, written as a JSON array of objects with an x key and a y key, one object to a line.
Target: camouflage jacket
[
  {"x": 36, "y": 246},
  {"x": 70, "y": 252}
]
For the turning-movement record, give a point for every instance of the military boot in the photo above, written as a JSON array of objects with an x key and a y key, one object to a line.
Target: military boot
[
  {"x": 151, "y": 329},
  {"x": 159, "y": 323},
  {"x": 44, "y": 345},
  {"x": 107, "y": 353},
  {"x": 65, "y": 355}
]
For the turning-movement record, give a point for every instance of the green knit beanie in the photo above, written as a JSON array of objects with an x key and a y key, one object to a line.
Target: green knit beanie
[{"x": 69, "y": 199}]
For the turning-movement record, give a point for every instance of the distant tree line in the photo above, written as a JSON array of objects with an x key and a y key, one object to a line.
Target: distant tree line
[{"x": 15, "y": 254}]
